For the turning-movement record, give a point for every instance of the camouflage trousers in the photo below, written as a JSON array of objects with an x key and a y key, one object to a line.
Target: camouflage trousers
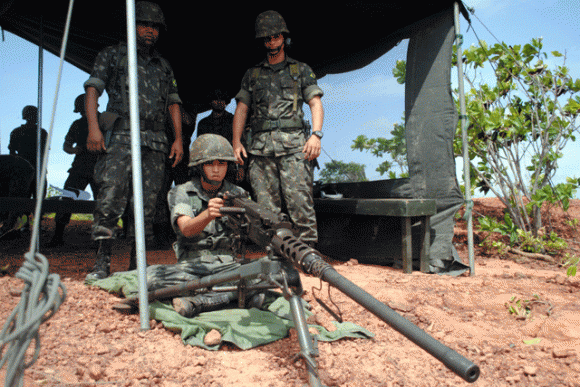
[
  {"x": 286, "y": 180},
  {"x": 114, "y": 177},
  {"x": 161, "y": 276}
]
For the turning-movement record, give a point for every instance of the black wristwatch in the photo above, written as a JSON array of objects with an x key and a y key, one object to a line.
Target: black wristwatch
[{"x": 318, "y": 134}]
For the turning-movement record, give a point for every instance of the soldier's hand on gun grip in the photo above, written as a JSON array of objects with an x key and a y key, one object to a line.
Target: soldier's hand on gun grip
[{"x": 213, "y": 207}]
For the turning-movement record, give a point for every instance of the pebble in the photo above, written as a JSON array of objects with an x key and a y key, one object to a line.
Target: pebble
[
  {"x": 562, "y": 353},
  {"x": 15, "y": 292},
  {"x": 530, "y": 371},
  {"x": 95, "y": 372},
  {"x": 213, "y": 337}
]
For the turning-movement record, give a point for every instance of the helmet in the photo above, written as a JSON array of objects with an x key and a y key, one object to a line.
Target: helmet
[
  {"x": 79, "y": 103},
  {"x": 209, "y": 147},
  {"x": 29, "y": 113},
  {"x": 149, "y": 12},
  {"x": 270, "y": 23}
]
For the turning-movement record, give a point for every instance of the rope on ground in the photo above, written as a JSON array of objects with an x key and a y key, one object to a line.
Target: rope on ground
[
  {"x": 43, "y": 293},
  {"x": 41, "y": 297}
]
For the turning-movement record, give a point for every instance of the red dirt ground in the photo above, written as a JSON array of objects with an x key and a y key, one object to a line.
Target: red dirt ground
[{"x": 86, "y": 343}]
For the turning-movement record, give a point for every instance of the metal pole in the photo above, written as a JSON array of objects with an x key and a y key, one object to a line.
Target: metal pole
[
  {"x": 136, "y": 165},
  {"x": 38, "y": 172},
  {"x": 42, "y": 166},
  {"x": 466, "y": 172}
]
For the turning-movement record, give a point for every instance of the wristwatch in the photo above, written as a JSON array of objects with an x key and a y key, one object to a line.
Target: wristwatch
[{"x": 318, "y": 133}]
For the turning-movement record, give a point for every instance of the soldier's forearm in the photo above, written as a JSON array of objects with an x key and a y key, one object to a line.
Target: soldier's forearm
[
  {"x": 240, "y": 117},
  {"x": 175, "y": 112},
  {"x": 317, "y": 113},
  {"x": 91, "y": 105}
]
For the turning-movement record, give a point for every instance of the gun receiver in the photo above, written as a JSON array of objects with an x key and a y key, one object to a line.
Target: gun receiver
[{"x": 273, "y": 230}]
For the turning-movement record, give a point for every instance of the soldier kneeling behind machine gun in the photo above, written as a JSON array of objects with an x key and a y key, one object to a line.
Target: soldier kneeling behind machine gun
[
  {"x": 210, "y": 216},
  {"x": 205, "y": 242}
]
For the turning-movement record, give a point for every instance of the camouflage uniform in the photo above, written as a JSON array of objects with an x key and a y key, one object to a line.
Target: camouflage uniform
[
  {"x": 190, "y": 199},
  {"x": 277, "y": 169},
  {"x": 157, "y": 90},
  {"x": 206, "y": 253}
]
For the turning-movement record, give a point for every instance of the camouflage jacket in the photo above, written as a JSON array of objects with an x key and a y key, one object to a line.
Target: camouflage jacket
[
  {"x": 190, "y": 199},
  {"x": 275, "y": 94},
  {"x": 157, "y": 86}
]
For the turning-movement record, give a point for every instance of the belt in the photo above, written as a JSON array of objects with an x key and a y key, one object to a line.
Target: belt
[
  {"x": 280, "y": 124},
  {"x": 144, "y": 125}
]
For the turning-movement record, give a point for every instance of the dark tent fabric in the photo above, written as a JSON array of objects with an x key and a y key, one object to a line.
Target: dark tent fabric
[
  {"x": 431, "y": 119},
  {"x": 213, "y": 45}
]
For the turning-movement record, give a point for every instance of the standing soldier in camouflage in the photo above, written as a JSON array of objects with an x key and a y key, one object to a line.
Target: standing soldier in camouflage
[
  {"x": 110, "y": 133},
  {"x": 282, "y": 151},
  {"x": 81, "y": 172}
]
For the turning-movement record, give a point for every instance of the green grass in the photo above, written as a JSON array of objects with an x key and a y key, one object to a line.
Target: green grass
[{"x": 73, "y": 216}]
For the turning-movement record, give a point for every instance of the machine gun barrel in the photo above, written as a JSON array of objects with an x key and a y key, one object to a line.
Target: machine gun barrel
[
  {"x": 272, "y": 229},
  {"x": 310, "y": 262}
]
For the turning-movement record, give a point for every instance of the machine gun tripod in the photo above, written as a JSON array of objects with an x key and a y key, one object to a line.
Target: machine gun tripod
[{"x": 286, "y": 253}]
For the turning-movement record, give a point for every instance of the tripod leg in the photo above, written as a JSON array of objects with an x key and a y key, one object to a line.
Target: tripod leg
[{"x": 308, "y": 348}]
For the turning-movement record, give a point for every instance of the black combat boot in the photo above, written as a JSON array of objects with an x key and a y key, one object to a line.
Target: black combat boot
[
  {"x": 57, "y": 238},
  {"x": 133, "y": 257},
  {"x": 102, "y": 265},
  {"x": 205, "y": 302}
]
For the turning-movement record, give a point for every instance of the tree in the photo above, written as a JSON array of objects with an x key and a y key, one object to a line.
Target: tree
[
  {"x": 519, "y": 126},
  {"x": 395, "y": 147},
  {"x": 341, "y": 172}
]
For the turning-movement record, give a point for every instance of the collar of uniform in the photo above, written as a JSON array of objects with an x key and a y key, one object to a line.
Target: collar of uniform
[
  {"x": 154, "y": 52},
  {"x": 196, "y": 187},
  {"x": 285, "y": 62}
]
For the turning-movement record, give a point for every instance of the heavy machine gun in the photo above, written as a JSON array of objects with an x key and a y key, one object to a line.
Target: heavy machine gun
[{"x": 273, "y": 231}]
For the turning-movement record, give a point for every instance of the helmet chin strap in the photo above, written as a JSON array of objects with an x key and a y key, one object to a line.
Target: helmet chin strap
[{"x": 275, "y": 51}]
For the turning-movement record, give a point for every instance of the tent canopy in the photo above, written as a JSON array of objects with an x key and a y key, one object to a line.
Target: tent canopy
[{"x": 211, "y": 46}]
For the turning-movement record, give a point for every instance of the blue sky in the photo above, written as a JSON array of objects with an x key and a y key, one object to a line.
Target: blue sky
[{"x": 368, "y": 101}]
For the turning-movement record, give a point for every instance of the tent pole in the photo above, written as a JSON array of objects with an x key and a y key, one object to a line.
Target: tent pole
[
  {"x": 463, "y": 117},
  {"x": 38, "y": 172},
  {"x": 136, "y": 165}
]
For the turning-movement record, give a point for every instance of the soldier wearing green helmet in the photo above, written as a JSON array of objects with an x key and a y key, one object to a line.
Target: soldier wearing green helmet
[
  {"x": 110, "y": 135},
  {"x": 204, "y": 239},
  {"x": 282, "y": 150}
]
